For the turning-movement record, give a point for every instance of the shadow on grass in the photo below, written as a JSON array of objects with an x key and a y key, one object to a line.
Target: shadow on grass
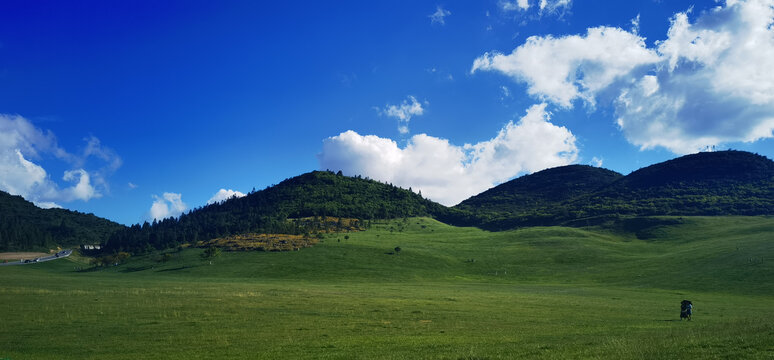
[
  {"x": 131, "y": 269},
  {"x": 175, "y": 268}
]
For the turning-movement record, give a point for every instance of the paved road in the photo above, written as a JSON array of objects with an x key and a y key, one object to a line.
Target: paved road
[{"x": 59, "y": 255}]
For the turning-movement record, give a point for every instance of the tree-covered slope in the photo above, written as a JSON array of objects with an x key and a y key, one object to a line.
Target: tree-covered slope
[
  {"x": 547, "y": 187},
  {"x": 24, "y": 226},
  {"x": 710, "y": 183},
  {"x": 318, "y": 193},
  {"x": 534, "y": 199}
]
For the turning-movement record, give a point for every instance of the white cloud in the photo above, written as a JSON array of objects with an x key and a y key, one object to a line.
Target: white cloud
[
  {"x": 438, "y": 16},
  {"x": 553, "y": 6},
  {"x": 450, "y": 173},
  {"x": 404, "y": 112},
  {"x": 635, "y": 24},
  {"x": 572, "y": 67},
  {"x": 23, "y": 147},
  {"x": 709, "y": 82},
  {"x": 19, "y": 176},
  {"x": 223, "y": 195},
  {"x": 596, "y": 162},
  {"x": 48, "y": 205},
  {"x": 714, "y": 85},
  {"x": 82, "y": 190},
  {"x": 169, "y": 205},
  {"x": 507, "y": 5},
  {"x": 544, "y": 6},
  {"x": 506, "y": 93}
]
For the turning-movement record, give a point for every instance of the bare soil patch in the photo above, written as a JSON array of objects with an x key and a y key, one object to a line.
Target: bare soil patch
[{"x": 21, "y": 255}]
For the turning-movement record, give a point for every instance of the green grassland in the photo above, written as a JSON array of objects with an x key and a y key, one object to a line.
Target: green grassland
[{"x": 450, "y": 293}]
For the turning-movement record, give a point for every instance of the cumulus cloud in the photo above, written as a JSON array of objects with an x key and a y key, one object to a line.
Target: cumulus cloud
[
  {"x": 572, "y": 67},
  {"x": 19, "y": 176},
  {"x": 82, "y": 190},
  {"x": 714, "y": 85},
  {"x": 168, "y": 205},
  {"x": 223, "y": 195},
  {"x": 708, "y": 83},
  {"x": 438, "y": 16},
  {"x": 22, "y": 149},
  {"x": 404, "y": 112},
  {"x": 449, "y": 173}
]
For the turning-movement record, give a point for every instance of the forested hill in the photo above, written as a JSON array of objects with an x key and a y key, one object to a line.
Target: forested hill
[
  {"x": 543, "y": 188},
  {"x": 709, "y": 183},
  {"x": 318, "y": 193},
  {"x": 24, "y": 226}
]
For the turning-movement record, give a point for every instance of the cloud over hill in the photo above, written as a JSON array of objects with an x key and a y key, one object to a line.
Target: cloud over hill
[{"x": 449, "y": 173}]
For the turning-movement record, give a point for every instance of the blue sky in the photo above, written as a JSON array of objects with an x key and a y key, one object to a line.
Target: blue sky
[{"x": 135, "y": 110}]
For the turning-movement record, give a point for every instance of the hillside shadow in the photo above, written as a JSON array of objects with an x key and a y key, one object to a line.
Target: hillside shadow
[
  {"x": 175, "y": 268},
  {"x": 131, "y": 269}
]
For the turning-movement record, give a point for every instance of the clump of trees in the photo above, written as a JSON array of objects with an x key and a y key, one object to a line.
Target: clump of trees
[
  {"x": 111, "y": 260},
  {"x": 210, "y": 252}
]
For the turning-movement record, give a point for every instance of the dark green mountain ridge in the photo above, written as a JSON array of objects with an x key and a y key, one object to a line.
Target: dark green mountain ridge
[
  {"x": 547, "y": 187},
  {"x": 24, "y": 226},
  {"x": 709, "y": 183}
]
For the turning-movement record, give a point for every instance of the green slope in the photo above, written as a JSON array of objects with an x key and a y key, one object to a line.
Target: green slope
[{"x": 702, "y": 253}]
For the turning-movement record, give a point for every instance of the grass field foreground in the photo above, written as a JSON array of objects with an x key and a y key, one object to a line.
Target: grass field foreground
[{"x": 449, "y": 293}]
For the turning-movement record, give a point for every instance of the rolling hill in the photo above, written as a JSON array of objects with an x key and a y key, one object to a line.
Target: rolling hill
[
  {"x": 709, "y": 183},
  {"x": 532, "y": 198},
  {"x": 315, "y": 194}
]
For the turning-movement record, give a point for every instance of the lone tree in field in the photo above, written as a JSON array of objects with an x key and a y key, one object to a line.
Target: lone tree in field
[
  {"x": 211, "y": 252},
  {"x": 397, "y": 250}
]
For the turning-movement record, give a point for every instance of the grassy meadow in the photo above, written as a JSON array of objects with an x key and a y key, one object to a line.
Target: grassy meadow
[{"x": 449, "y": 293}]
